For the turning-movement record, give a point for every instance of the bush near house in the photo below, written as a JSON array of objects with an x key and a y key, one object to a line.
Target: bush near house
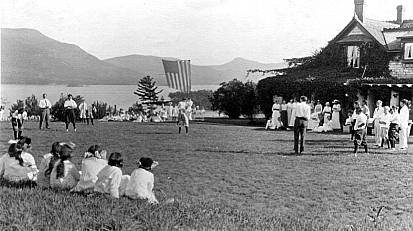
[
  {"x": 235, "y": 98},
  {"x": 324, "y": 75}
]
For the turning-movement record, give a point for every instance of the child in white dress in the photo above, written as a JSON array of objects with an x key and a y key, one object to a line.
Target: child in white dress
[
  {"x": 43, "y": 179},
  {"x": 13, "y": 168},
  {"x": 110, "y": 179},
  {"x": 94, "y": 161},
  {"x": 64, "y": 174},
  {"x": 28, "y": 159},
  {"x": 141, "y": 182}
]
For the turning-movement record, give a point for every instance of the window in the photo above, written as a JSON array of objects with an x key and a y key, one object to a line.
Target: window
[
  {"x": 353, "y": 56},
  {"x": 408, "y": 51}
]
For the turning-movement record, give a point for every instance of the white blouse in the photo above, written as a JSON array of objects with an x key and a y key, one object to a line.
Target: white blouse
[
  {"x": 69, "y": 179},
  {"x": 90, "y": 168},
  {"x": 140, "y": 185},
  {"x": 109, "y": 179},
  {"x": 11, "y": 170}
]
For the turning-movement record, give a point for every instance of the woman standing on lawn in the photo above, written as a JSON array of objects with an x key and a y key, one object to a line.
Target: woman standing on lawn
[
  {"x": 276, "y": 114},
  {"x": 326, "y": 112},
  {"x": 284, "y": 114},
  {"x": 293, "y": 108},
  {"x": 336, "y": 115}
]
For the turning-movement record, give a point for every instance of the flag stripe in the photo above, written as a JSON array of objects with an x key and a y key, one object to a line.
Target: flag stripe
[{"x": 178, "y": 74}]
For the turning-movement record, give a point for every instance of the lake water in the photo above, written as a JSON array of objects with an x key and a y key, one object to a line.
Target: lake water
[{"x": 120, "y": 95}]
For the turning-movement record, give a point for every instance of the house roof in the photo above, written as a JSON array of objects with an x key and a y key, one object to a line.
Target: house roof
[{"x": 388, "y": 34}]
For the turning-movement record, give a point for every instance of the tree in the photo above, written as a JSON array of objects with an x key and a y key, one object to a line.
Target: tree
[
  {"x": 101, "y": 109},
  {"x": 235, "y": 98},
  {"x": 58, "y": 110},
  {"x": 200, "y": 98},
  {"x": 249, "y": 100},
  {"x": 30, "y": 104},
  {"x": 147, "y": 90}
]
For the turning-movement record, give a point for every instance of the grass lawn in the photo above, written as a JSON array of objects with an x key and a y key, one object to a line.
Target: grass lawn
[{"x": 222, "y": 177}]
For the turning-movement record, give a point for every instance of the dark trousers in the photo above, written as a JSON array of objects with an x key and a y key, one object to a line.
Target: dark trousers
[
  {"x": 393, "y": 134},
  {"x": 360, "y": 140},
  {"x": 44, "y": 118},
  {"x": 300, "y": 127},
  {"x": 70, "y": 118},
  {"x": 284, "y": 118},
  {"x": 352, "y": 132},
  {"x": 17, "y": 125}
]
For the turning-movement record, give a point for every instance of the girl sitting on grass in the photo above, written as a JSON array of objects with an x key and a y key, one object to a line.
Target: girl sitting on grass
[
  {"x": 26, "y": 144},
  {"x": 94, "y": 161},
  {"x": 44, "y": 175},
  {"x": 110, "y": 179},
  {"x": 141, "y": 182},
  {"x": 14, "y": 170},
  {"x": 64, "y": 174}
]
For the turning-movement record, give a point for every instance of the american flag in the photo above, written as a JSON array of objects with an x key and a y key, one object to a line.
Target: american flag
[{"x": 178, "y": 74}]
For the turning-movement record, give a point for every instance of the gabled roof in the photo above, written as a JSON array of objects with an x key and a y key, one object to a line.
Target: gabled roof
[{"x": 385, "y": 33}]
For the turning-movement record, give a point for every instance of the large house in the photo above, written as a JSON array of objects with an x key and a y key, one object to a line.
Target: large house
[{"x": 395, "y": 37}]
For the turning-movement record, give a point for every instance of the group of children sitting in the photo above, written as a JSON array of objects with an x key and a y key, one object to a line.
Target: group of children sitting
[{"x": 97, "y": 174}]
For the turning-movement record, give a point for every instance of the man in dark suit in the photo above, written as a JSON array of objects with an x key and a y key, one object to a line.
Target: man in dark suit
[{"x": 302, "y": 115}]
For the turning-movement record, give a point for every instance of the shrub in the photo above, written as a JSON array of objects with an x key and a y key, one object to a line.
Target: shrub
[
  {"x": 200, "y": 98},
  {"x": 30, "y": 104},
  {"x": 235, "y": 98},
  {"x": 58, "y": 110}
]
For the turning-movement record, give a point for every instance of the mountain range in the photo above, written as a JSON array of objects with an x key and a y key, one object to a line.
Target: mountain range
[{"x": 29, "y": 57}]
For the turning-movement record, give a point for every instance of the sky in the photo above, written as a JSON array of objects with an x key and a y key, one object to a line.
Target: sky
[{"x": 204, "y": 31}]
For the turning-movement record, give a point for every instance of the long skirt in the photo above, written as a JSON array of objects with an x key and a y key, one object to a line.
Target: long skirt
[
  {"x": 393, "y": 134},
  {"x": 276, "y": 118},
  {"x": 336, "y": 120},
  {"x": 284, "y": 118}
]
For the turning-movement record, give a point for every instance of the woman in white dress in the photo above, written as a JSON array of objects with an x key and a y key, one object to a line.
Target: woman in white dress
[
  {"x": 336, "y": 115},
  {"x": 326, "y": 112},
  {"x": 289, "y": 110},
  {"x": 276, "y": 114},
  {"x": 293, "y": 107},
  {"x": 318, "y": 108}
]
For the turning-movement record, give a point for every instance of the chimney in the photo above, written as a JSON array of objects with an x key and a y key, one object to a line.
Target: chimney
[
  {"x": 359, "y": 8},
  {"x": 399, "y": 14}
]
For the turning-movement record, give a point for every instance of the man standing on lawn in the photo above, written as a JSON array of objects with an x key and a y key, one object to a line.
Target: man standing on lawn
[
  {"x": 302, "y": 115},
  {"x": 70, "y": 106},
  {"x": 44, "y": 105}
]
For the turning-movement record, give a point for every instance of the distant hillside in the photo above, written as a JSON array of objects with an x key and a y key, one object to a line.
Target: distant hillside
[
  {"x": 213, "y": 74},
  {"x": 29, "y": 57}
]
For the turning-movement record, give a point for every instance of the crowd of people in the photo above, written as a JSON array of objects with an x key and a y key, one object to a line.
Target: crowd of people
[
  {"x": 322, "y": 119},
  {"x": 390, "y": 125},
  {"x": 98, "y": 174},
  {"x": 180, "y": 113}
]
